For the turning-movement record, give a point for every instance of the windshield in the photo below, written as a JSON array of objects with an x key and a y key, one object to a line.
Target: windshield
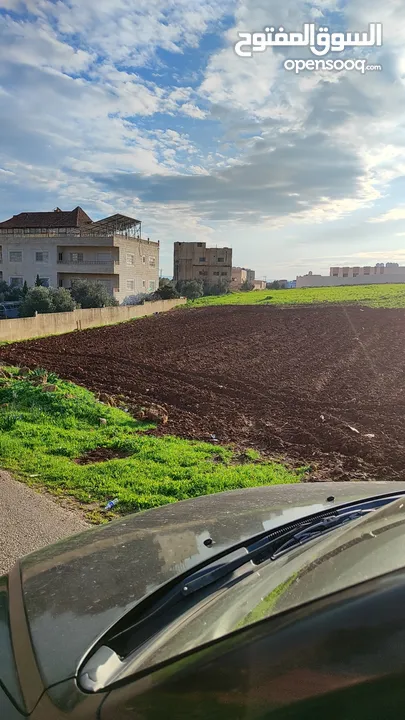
[{"x": 361, "y": 550}]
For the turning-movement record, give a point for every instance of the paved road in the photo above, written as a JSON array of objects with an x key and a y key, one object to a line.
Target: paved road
[{"x": 29, "y": 521}]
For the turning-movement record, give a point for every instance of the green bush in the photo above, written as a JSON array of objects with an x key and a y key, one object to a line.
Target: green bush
[
  {"x": 191, "y": 289},
  {"x": 46, "y": 300},
  {"x": 89, "y": 294}
]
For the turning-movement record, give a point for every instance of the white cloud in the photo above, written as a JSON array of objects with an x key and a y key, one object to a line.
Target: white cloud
[
  {"x": 390, "y": 216},
  {"x": 79, "y": 124}
]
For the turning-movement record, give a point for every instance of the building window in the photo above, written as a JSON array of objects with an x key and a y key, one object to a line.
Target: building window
[
  {"x": 1, "y": 275},
  {"x": 130, "y": 259},
  {"x": 217, "y": 273},
  {"x": 144, "y": 259},
  {"x": 221, "y": 259},
  {"x": 16, "y": 281},
  {"x": 366, "y": 271},
  {"x": 60, "y": 282},
  {"x": 130, "y": 284},
  {"x": 60, "y": 257},
  {"x": 152, "y": 261},
  {"x": 15, "y": 256},
  {"x": 41, "y": 257},
  {"x": 76, "y": 257},
  {"x": 202, "y": 259},
  {"x": 335, "y": 273},
  {"x": 144, "y": 283},
  {"x": 203, "y": 272},
  {"x": 199, "y": 244},
  {"x": 152, "y": 285},
  {"x": 224, "y": 274},
  {"x": 44, "y": 282}
]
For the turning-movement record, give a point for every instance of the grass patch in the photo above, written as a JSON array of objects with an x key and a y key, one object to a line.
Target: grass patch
[
  {"x": 385, "y": 296},
  {"x": 45, "y": 428}
]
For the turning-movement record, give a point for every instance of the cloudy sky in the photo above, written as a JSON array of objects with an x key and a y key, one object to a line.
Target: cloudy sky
[{"x": 143, "y": 107}]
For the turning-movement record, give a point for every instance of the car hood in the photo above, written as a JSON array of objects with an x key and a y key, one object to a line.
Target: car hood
[{"x": 74, "y": 590}]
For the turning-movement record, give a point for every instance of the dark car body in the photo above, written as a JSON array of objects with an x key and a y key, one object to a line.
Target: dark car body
[{"x": 343, "y": 650}]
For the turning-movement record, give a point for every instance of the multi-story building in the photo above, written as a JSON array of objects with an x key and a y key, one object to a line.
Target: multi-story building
[
  {"x": 60, "y": 246},
  {"x": 379, "y": 269},
  {"x": 241, "y": 275},
  {"x": 194, "y": 261},
  {"x": 380, "y": 273}
]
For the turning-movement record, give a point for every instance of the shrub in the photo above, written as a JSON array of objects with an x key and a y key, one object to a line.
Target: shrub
[
  {"x": 191, "y": 289},
  {"x": 46, "y": 300},
  {"x": 221, "y": 287},
  {"x": 90, "y": 294},
  {"x": 167, "y": 291},
  {"x": 62, "y": 300},
  {"x": 38, "y": 300}
]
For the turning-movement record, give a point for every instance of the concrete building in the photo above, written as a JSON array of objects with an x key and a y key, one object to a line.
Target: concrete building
[
  {"x": 194, "y": 261},
  {"x": 380, "y": 273},
  {"x": 241, "y": 275},
  {"x": 260, "y": 284},
  {"x": 60, "y": 246}
]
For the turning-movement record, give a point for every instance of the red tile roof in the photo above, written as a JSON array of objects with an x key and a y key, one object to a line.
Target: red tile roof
[{"x": 56, "y": 219}]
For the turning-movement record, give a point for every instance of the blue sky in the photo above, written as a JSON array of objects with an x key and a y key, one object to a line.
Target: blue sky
[{"x": 143, "y": 107}]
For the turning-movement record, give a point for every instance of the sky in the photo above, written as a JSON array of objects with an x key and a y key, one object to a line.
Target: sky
[{"x": 143, "y": 107}]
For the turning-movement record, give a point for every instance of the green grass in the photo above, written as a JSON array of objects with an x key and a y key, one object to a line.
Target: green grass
[
  {"x": 388, "y": 296},
  {"x": 42, "y": 433}
]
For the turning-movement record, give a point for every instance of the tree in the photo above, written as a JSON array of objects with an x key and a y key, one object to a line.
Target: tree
[
  {"x": 25, "y": 288},
  {"x": 90, "y": 294},
  {"x": 38, "y": 282},
  {"x": 3, "y": 290},
  {"x": 61, "y": 300},
  {"x": 221, "y": 287},
  {"x": 38, "y": 300},
  {"x": 273, "y": 285},
  {"x": 247, "y": 286},
  {"x": 14, "y": 293},
  {"x": 166, "y": 291},
  {"x": 191, "y": 289},
  {"x": 46, "y": 300}
]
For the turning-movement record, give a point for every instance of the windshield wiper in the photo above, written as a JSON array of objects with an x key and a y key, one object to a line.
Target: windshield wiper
[
  {"x": 320, "y": 528},
  {"x": 266, "y": 548}
]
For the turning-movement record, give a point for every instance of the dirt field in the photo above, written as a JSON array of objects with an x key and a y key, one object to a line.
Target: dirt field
[{"x": 323, "y": 386}]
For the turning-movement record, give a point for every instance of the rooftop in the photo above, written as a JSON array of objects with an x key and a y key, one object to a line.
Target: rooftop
[
  {"x": 56, "y": 219},
  {"x": 75, "y": 220}
]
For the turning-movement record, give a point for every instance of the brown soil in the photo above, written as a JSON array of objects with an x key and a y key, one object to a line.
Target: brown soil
[
  {"x": 318, "y": 385},
  {"x": 99, "y": 455}
]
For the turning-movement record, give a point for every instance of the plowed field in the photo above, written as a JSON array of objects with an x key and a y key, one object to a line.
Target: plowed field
[{"x": 324, "y": 386}]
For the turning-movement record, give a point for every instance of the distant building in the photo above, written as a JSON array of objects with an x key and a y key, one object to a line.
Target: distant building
[
  {"x": 260, "y": 284},
  {"x": 368, "y": 275},
  {"x": 194, "y": 261},
  {"x": 241, "y": 275},
  {"x": 61, "y": 246},
  {"x": 379, "y": 269}
]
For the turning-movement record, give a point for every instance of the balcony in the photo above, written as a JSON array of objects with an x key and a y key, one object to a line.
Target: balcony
[
  {"x": 89, "y": 267},
  {"x": 88, "y": 262}
]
